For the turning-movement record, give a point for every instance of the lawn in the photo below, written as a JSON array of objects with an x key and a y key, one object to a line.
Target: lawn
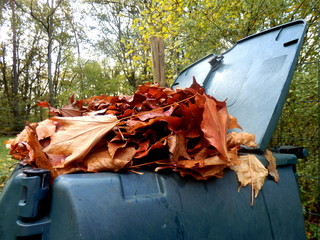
[{"x": 6, "y": 163}]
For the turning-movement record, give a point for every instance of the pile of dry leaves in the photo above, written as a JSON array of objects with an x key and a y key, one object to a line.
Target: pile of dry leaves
[{"x": 184, "y": 130}]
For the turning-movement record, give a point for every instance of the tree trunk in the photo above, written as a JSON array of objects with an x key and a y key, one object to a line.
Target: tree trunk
[
  {"x": 14, "y": 101},
  {"x": 50, "y": 78}
]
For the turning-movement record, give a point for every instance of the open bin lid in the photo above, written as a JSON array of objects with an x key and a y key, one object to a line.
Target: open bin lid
[{"x": 253, "y": 77}]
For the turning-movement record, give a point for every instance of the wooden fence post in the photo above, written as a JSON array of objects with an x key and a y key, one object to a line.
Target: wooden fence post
[{"x": 158, "y": 70}]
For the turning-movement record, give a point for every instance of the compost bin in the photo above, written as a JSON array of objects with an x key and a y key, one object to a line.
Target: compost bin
[{"x": 253, "y": 77}]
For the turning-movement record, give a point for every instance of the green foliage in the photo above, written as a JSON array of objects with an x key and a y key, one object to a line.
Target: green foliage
[
  {"x": 93, "y": 78},
  {"x": 299, "y": 126},
  {"x": 6, "y": 163}
]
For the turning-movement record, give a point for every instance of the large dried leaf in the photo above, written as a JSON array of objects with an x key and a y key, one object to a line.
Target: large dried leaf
[
  {"x": 77, "y": 136},
  {"x": 203, "y": 152},
  {"x": 18, "y": 146},
  {"x": 250, "y": 171},
  {"x": 94, "y": 113},
  {"x": 173, "y": 123},
  {"x": 210, "y": 171},
  {"x": 272, "y": 167},
  {"x": 214, "y": 127}
]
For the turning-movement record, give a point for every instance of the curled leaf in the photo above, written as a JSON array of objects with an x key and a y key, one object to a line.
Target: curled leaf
[
  {"x": 233, "y": 122},
  {"x": 101, "y": 160},
  {"x": 45, "y": 129},
  {"x": 242, "y": 138},
  {"x": 178, "y": 147},
  {"x": 272, "y": 167}
]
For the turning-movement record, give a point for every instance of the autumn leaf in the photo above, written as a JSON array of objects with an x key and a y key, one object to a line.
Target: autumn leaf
[
  {"x": 210, "y": 161},
  {"x": 203, "y": 173},
  {"x": 190, "y": 119},
  {"x": 113, "y": 147},
  {"x": 173, "y": 123},
  {"x": 233, "y": 122},
  {"x": 77, "y": 136},
  {"x": 43, "y": 104},
  {"x": 150, "y": 114},
  {"x": 203, "y": 152},
  {"x": 242, "y": 138},
  {"x": 177, "y": 146},
  {"x": 36, "y": 154},
  {"x": 213, "y": 125},
  {"x": 94, "y": 113},
  {"x": 45, "y": 129},
  {"x": 210, "y": 171},
  {"x": 101, "y": 160},
  {"x": 272, "y": 167},
  {"x": 69, "y": 111},
  {"x": 195, "y": 87},
  {"x": 250, "y": 171},
  {"x": 142, "y": 151}
]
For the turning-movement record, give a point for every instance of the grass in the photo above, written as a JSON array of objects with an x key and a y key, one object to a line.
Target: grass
[{"x": 6, "y": 162}]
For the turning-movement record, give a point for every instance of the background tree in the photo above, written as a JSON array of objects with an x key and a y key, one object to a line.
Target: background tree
[
  {"x": 37, "y": 41},
  {"x": 117, "y": 39},
  {"x": 50, "y": 17},
  {"x": 191, "y": 29},
  {"x": 16, "y": 61}
]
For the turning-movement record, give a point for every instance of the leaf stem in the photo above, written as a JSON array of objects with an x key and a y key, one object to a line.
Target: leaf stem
[
  {"x": 136, "y": 172},
  {"x": 156, "y": 109},
  {"x": 252, "y": 184}
]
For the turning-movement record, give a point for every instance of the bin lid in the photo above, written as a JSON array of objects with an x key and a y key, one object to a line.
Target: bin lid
[{"x": 253, "y": 77}]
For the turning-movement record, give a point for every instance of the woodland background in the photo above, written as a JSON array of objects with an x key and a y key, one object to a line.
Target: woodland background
[{"x": 51, "y": 49}]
